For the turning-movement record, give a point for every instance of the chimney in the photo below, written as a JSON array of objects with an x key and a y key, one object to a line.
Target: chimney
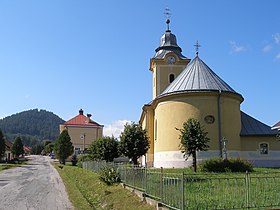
[
  {"x": 81, "y": 112},
  {"x": 88, "y": 117}
]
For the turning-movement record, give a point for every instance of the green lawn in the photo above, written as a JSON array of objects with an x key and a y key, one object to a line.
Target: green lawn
[
  {"x": 86, "y": 191},
  {"x": 209, "y": 190}
]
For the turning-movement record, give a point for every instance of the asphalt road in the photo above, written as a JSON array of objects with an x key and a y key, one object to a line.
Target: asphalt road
[{"x": 36, "y": 186}]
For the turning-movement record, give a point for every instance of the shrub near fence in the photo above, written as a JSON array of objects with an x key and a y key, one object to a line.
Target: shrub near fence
[{"x": 201, "y": 190}]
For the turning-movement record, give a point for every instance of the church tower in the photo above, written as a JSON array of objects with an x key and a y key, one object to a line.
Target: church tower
[{"x": 167, "y": 63}]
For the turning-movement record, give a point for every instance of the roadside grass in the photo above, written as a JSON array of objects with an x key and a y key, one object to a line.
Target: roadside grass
[
  {"x": 4, "y": 166},
  {"x": 86, "y": 191}
]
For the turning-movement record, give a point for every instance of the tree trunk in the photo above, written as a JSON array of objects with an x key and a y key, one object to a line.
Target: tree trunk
[
  {"x": 135, "y": 162},
  {"x": 194, "y": 161}
]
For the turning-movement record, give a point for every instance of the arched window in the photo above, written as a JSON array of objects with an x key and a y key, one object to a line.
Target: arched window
[
  {"x": 171, "y": 78},
  {"x": 263, "y": 148}
]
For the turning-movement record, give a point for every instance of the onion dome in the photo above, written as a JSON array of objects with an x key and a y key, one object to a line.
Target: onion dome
[{"x": 168, "y": 43}]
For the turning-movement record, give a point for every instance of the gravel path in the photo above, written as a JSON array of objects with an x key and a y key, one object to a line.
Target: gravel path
[{"x": 36, "y": 186}]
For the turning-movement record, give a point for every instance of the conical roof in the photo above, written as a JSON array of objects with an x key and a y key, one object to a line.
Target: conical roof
[{"x": 197, "y": 76}]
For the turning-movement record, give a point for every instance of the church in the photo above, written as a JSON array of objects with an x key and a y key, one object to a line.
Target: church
[{"x": 186, "y": 88}]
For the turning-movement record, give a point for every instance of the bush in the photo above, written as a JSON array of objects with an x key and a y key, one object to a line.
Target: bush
[
  {"x": 230, "y": 165},
  {"x": 109, "y": 175},
  {"x": 74, "y": 160},
  {"x": 86, "y": 157}
]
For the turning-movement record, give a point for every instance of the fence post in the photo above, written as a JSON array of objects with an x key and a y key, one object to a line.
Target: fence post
[
  {"x": 133, "y": 177},
  {"x": 125, "y": 169},
  {"x": 183, "y": 192},
  {"x": 247, "y": 189},
  {"x": 161, "y": 184},
  {"x": 146, "y": 178}
]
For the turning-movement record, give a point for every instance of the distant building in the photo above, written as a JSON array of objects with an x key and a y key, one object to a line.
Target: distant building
[
  {"x": 83, "y": 131},
  {"x": 276, "y": 126},
  {"x": 184, "y": 88},
  {"x": 27, "y": 150},
  {"x": 8, "y": 153}
]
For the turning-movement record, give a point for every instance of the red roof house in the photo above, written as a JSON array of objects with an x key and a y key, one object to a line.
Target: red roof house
[{"x": 82, "y": 130}]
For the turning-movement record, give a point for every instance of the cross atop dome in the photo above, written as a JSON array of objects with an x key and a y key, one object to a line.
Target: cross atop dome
[
  {"x": 197, "y": 46},
  {"x": 167, "y": 14}
]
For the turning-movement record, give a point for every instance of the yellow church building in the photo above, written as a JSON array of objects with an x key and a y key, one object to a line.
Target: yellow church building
[
  {"x": 186, "y": 88},
  {"x": 82, "y": 131}
]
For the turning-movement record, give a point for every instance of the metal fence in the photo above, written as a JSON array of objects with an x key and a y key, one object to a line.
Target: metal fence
[{"x": 201, "y": 191}]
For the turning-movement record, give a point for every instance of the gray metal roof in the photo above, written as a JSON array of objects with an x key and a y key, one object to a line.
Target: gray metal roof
[
  {"x": 197, "y": 76},
  {"x": 168, "y": 43},
  {"x": 252, "y": 127}
]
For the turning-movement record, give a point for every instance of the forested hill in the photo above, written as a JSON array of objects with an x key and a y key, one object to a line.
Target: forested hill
[{"x": 33, "y": 126}]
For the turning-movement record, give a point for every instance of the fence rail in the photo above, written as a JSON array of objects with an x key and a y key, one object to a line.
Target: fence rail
[{"x": 201, "y": 191}]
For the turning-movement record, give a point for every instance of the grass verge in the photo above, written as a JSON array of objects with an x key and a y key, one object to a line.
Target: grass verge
[
  {"x": 86, "y": 191},
  {"x": 4, "y": 166}
]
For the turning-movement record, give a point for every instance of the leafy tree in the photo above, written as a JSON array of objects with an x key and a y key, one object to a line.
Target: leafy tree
[
  {"x": 47, "y": 142},
  {"x": 134, "y": 142},
  {"x": 49, "y": 147},
  {"x": 105, "y": 148},
  {"x": 193, "y": 138},
  {"x": 17, "y": 148},
  {"x": 37, "y": 149},
  {"x": 2, "y": 145},
  {"x": 63, "y": 146}
]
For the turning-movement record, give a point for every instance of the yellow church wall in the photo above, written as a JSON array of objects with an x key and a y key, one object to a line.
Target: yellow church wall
[
  {"x": 161, "y": 71},
  {"x": 173, "y": 111},
  {"x": 147, "y": 122},
  {"x": 143, "y": 122},
  {"x": 251, "y": 150},
  {"x": 230, "y": 122},
  {"x": 251, "y": 143},
  {"x": 161, "y": 77}
]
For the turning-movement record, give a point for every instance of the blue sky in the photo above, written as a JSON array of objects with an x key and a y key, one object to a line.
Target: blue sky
[{"x": 63, "y": 55}]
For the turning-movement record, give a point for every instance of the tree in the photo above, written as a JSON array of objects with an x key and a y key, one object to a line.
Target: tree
[
  {"x": 37, "y": 149},
  {"x": 133, "y": 142},
  {"x": 2, "y": 145},
  {"x": 105, "y": 148},
  {"x": 49, "y": 147},
  {"x": 63, "y": 147},
  {"x": 17, "y": 148},
  {"x": 193, "y": 138}
]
